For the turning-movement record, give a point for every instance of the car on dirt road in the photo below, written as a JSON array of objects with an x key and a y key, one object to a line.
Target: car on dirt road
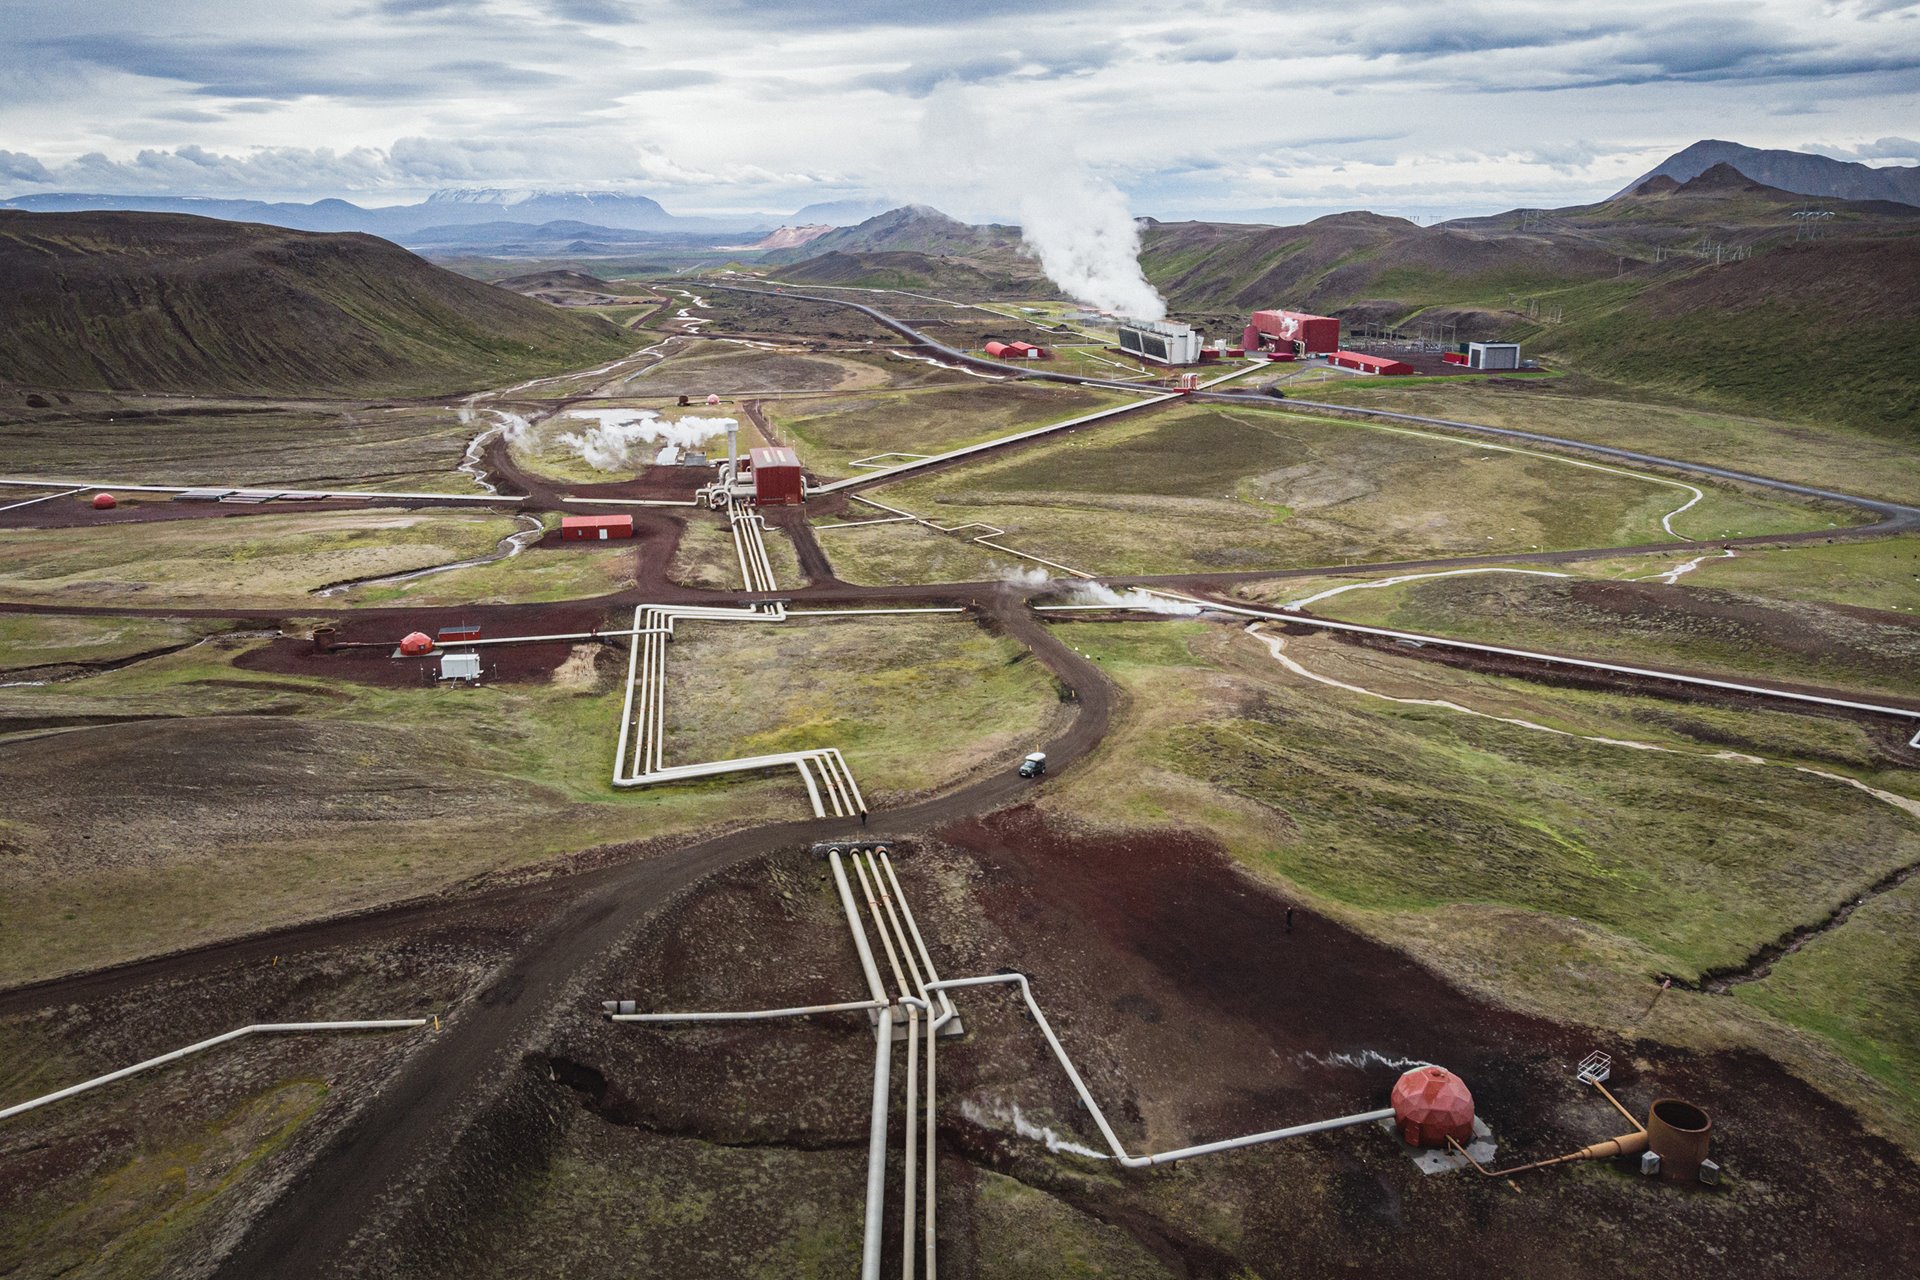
[{"x": 1034, "y": 765}]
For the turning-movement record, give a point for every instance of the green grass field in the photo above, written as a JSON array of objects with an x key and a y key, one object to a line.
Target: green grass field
[
  {"x": 1828, "y": 455},
  {"x": 243, "y": 561},
  {"x": 1200, "y": 487},
  {"x": 184, "y": 799},
  {"x": 708, "y": 557},
  {"x": 1562, "y": 873},
  {"x": 405, "y": 449},
  {"x": 891, "y": 555},
  {"x": 832, "y": 433},
  {"x": 1731, "y": 632},
  {"x": 51, "y": 640}
]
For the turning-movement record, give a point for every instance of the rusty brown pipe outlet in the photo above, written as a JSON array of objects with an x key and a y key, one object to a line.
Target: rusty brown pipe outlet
[
  {"x": 1679, "y": 1133},
  {"x": 1627, "y": 1144}
]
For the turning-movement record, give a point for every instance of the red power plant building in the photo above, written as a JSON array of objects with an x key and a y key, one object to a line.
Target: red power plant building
[
  {"x": 1361, "y": 362},
  {"x": 595, "y": 528},
  {"x": 1294, "y": 331},
  {"x": 776, "y": 478}
]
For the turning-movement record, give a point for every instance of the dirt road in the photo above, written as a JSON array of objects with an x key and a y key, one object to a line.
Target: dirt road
[{"x": 370, "y": 1167}]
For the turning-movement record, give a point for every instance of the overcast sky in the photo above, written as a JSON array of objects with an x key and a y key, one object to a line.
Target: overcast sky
[{"x": 1257, "y": 109}]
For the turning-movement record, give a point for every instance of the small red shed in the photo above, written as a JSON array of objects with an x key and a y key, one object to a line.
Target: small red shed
[
  {"x": 595, "y": 528},
  {"x": 1000, "y": 350},
  {"x": 1361, "y": 362},
  {"x": 776, "y": 478},
  {"x": 416, "y": 643}
]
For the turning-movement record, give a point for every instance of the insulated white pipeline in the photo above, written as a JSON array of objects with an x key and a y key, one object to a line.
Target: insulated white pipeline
[
  {"x": 28, "y": 482},
  {"x": 1099, "y": 1116},
  {"x": 258, "y": 1028},
  {"x": 1588, "y": 664},
  {"x": 45, "y": 497},
  {"x": 920, "y": 943},
  {"x": 905, "y": 468},
  {"x": 909, "y": 1171},
  {"x": 750, "y": 1015},
  {"x": 867, "y": 966},
  {"x": 877, "y": 1148},
  {"x": 886, "y": 935}
]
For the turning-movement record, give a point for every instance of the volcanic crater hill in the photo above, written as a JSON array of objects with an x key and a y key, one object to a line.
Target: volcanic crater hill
[
  {"x": 1345, "y": 258},
  {"x": 174, "y": 303}
]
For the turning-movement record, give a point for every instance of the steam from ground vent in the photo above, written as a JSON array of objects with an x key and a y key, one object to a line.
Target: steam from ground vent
[
  {"x": 1145, "y": 601},
  {"x": 1075, "y": 222},
  {"x": 608, "y": 444}
]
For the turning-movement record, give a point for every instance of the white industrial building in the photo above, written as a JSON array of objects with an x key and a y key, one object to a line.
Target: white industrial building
[
  {"x": 460, "y": 666},
  {"x": 1162, "y": 341},
  {"x": 1493, "y": 355}
]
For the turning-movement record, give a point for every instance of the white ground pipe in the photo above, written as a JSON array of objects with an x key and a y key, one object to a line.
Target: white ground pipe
[
  {"x": 749, "y": 1015},
  {"x": 45, "y": 497},
  {"x": 919, "y": 942},
  {"x": 886, "y": 937},
  {"x": 864, "y": 613},
  {"x": 1441, "y": 642},
  {"x": 632, "y": 502},
  {"x": 867, "y": 966},
  {"x": 909, "y": 1169},
  {"x": 877, "y": 1147},
  {"x": 1100, "y": 1119},
  {"x": 904, "y": 468},
  {"x": 893, "y": 923},
  {"x": 28, "y": 482},
  {"x": 258, "y": 1028},
  {"x": 626, "y": 706}
]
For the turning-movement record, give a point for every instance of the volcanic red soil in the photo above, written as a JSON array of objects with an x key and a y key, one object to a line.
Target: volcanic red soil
[{"x": 1194, "y": 1014}]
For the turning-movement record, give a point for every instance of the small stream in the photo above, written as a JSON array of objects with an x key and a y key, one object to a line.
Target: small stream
[{"x": 510, "y": 546}]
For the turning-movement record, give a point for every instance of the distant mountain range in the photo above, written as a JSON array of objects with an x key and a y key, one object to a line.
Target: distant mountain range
[
  {"x": 1796, "y": 171},
  {"x": 595, "y": 211}
]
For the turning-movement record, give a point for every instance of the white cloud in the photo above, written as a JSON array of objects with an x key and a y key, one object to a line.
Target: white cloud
[{"x": 727, "y": 104}]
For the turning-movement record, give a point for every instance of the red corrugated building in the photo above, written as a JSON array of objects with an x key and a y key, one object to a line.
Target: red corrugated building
[
  {"x": 999, "y": 350},
  {"x": 595, "y": 528},
  {"x": 1294, "y": 331},
  {"x": 1361, "y": 362},
  {"x": 776, "y": 478}
]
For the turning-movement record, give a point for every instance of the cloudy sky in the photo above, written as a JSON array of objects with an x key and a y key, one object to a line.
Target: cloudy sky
[{"x": 1259, "y": 110}]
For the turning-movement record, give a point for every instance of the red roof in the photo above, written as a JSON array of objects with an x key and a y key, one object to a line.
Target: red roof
[
  {"x": 597, "y": 522},
  {"x": 1368, "y": 363}
]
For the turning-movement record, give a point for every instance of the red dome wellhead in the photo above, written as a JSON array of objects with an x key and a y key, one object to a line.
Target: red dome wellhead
[{"x": 1430, "y": 1105}]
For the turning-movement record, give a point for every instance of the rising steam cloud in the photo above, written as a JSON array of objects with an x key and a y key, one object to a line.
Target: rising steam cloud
[
  {"x": 608, "y": 444},
  {"x": 1074, "y": 221}
]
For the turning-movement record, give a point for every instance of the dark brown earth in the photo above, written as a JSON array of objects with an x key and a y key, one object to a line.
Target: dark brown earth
[{"x": 1195, "y": 1014}]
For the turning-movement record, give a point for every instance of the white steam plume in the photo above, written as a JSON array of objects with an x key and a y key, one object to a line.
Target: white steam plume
[
  {"x": 607, "y": 444},
  {"x": 1075, "y": 222},
  {"x": 1024, "y": 577},
  {"x": 1147, "y": 601}
]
